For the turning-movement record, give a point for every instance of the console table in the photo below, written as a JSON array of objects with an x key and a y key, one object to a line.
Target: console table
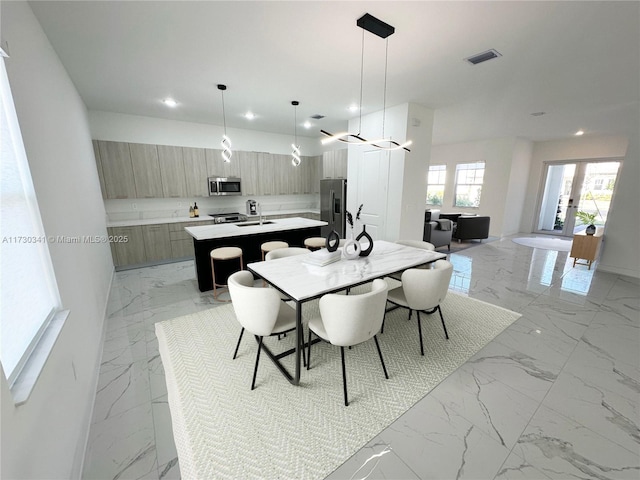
[{"x": 586, "y": 247}]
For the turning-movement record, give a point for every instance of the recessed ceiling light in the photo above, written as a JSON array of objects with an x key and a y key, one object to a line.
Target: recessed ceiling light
[
  {"x": 249, "y": 115},
  {"x": 306, "y": 124},
  {"x": 353, "y": 108},
  {"x": 579, "y": 132},
  {"x": 170, "y": 102}
]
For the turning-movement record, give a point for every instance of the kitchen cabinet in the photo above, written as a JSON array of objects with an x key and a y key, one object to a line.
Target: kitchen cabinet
[
  {"x": 195, "y": 170},
  {"x": 172, "y": 171},
  {"x": 251, "y": 181},
  {"x": 146, "y": 170},
  {"x": 315, "y": 174},
  {"x": 96, "y": 153},
  {"x": 216, "y": 167},
  {"x": 127, "y": 245},
  {"x": 334, "y": 164},
  {"x": 117, "y": 170},
  {"x": 157, "y": 244}
]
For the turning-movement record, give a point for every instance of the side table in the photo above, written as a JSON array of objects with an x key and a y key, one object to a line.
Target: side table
[{"x": 586, "y": 247}]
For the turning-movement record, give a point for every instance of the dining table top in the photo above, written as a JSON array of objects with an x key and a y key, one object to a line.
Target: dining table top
[{"x": 304, "y": 281}]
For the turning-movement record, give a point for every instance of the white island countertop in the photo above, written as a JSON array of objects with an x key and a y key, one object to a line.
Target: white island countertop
[{"x": 208, "y": 232}]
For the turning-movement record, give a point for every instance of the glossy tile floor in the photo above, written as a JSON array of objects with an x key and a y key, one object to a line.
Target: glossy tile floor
[{"x": 556, "y": 395}]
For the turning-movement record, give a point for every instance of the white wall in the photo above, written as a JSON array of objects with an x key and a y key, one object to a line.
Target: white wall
[
  {"x": 393, "y": 195},
  {"x": 620, "y": 252},
  {"x": 45, "y": 437},
  {"x": 136, "y": 129},
  {"x": 505, "y": 179}
]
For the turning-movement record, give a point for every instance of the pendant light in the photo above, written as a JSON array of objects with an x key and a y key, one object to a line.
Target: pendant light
[
  {"x": 383, "y": 30},
  {"x": 226, "y": 141},
  {"x": 295, "y": 148}
]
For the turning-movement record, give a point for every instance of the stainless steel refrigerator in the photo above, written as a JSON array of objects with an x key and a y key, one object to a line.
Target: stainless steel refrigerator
[{"x": 333, "y": 205}]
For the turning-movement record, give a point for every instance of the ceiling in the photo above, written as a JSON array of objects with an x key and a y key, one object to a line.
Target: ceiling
[{"x": 579, "y": 62}]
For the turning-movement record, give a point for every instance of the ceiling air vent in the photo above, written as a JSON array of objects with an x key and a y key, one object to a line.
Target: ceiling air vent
[
  {"x": 317, "y": 116},
  {"x": 483, "y": 57}
]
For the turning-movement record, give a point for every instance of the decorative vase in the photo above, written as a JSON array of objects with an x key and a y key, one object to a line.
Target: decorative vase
[
  {"x": 590, "y": 230},
  {"x": 367, "y": 237},
  {"x": 333, "y": 241},
  {"x": 351, "y": 249}
]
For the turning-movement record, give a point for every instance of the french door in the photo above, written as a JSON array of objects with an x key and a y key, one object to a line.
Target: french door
[{"x": 569, "y": 187}]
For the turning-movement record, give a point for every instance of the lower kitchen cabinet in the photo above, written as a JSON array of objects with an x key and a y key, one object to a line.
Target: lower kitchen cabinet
[
  {"x": 157, "y": 245},
  {"x": 127, "y": 245}
]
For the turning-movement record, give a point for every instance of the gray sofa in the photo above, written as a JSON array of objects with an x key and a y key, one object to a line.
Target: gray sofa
[
  {"x": 471, "y": 228},
  {"x": 437, "y": 231}
]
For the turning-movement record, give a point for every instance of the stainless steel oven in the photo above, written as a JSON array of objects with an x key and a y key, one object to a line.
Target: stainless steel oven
[{"x": 224, "y": 186}]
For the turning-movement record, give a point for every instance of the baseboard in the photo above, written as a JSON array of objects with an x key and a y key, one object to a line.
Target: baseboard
[
  {"x": 81, "y": 449},
  {"x": 627, "y": 272}
]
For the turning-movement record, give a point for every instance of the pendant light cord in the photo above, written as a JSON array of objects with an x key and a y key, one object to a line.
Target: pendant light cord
[
  {"x": 224, "y": 116},
  {"x": 361, "y": 77},
  {"x": 384, "y": 97}
]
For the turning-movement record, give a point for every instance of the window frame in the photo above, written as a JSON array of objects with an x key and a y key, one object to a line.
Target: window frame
[
  {"x": 467, "y": 167},
  {"x": 440, "y": 171}
]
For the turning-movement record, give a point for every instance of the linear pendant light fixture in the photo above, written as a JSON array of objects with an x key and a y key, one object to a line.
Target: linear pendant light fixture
[
  {"x": 295, "y": 148},
  {"x": 383, "y": 30},
  {"x": 225, "y": 143}
]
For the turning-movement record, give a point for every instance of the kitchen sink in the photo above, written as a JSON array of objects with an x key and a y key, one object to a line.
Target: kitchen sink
[{"x": 253, "y": 224}]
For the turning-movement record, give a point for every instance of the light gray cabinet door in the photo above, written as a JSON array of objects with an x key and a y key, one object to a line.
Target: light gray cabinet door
[
  {"x": 216, "y": 167},
  {"x": 328, "y": 164},
  {"x": 96, "y": 153},
  {"x": 172, "y": 171},
  {"x": 146, "y": 170},
  {"x": 117, "y": 170},
  {"x": 249, "y": 172},
  {"x": 128, "y": 245},
  {"x": 316, "y": 173},
  {"x": 157, "y": 245},
  {"x": 340, "y": 163},
  {"x": 195, "y": 170}
]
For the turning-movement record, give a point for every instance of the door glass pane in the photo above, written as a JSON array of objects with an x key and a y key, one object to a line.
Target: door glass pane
[
  {"x": 555, "y": 201},
  {"x": 597, "y": 189}
]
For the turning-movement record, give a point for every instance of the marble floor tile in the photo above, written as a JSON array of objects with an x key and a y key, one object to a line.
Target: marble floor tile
[
  {"x": 436, "y": 442},
  {"x": 165, "y": 446},
  {"x": 496, "y": 408},
  {"x": 615, "y": 336},
  {"x": 376, "y": 460},
  {"x": 561, "y": 449},
  {"x": 515, "y": 468},
  {"x": 564, "y": 320},
  {"x": 123, "y": 446}
]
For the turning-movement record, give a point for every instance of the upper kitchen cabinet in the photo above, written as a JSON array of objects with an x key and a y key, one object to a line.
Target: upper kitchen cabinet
[
  {"x": 172, "y": 171},
  {"x": 96, "y": 153},
  {"x": 334, "y": 164},
  {"x": 146, "y": 170},
  {"x": 216, "y": 167},
  {"x": 251, "y": 181},
  {"x": 315, "y": 173},
  {"x": 117, "y": 170},
  {"x": 195, "y": 170}
]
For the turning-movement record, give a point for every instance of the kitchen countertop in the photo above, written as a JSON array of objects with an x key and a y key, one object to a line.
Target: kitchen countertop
[
  {"x": 208, "y": 232},
  {"x": 201, "y": 218}
]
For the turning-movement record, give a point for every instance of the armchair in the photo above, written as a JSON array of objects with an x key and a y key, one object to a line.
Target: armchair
[
  {"x": 438, "y": 233},
  {"x": 472, "y": 228}
]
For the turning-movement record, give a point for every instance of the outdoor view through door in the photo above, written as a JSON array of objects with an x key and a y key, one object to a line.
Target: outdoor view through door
[{"x": 571, "y": 187}]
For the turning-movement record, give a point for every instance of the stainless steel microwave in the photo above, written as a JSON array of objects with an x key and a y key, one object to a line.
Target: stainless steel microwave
[{"x": 224, "y": 186}]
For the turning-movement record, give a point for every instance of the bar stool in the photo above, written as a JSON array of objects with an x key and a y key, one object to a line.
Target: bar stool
[
  {"x": 223, "y": 254},
  {"x": 267, "y": 247},
  {"x": 314, "y": 243}
]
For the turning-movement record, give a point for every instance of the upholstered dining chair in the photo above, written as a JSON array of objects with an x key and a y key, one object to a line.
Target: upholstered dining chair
[
  {"x": 347, "y": 320},
  {"x": 423, "y": 290},
  {"x": 282, "y": 253},
  {"x": 414, "y": 244},
  {"x": 259, "y": 310}
]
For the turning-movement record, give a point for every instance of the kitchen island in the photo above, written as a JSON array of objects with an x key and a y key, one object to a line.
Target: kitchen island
[{"x": 248, "y": 236}]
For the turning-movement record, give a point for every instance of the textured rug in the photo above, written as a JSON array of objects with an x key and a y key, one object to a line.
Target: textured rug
[
  {"x": 465, "y": 244},
  {"x": 222, "y": 429},
  {"x": 546, "y": 243}
]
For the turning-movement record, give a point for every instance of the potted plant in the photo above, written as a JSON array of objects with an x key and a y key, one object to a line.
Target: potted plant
[{"x": 587, "y": 219}]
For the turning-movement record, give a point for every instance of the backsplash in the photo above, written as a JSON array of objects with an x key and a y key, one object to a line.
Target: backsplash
[{"x": 148, "y": 208}]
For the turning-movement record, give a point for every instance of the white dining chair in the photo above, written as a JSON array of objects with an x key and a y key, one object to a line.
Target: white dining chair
[
  {"x": 347, "y": 320},
  {"x": 415, "y": 244},
  {"x": 423, "y": 290},
  {"x": 282, "y": 253},
  {"x": 258, "y": 310}
]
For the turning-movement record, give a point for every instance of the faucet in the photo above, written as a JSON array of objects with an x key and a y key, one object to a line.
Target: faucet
[{"x": 260, "y": 212}]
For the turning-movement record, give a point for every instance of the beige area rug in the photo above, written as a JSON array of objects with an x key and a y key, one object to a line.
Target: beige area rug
[{"x": 222, "y": 429}]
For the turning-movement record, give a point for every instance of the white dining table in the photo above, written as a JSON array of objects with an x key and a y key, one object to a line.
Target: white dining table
[{"x": 303, "y": 282}]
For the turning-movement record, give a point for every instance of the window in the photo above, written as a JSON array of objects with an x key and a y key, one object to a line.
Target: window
[
  {"x": 435, "y": 184},
  {"x": 469, "y": 177},
  {"x": 598, "y": 184},
  {"x": 29, "y": 298}
]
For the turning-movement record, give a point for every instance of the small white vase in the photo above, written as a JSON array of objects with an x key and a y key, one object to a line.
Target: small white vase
[{"x": 351, "y": 249}]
